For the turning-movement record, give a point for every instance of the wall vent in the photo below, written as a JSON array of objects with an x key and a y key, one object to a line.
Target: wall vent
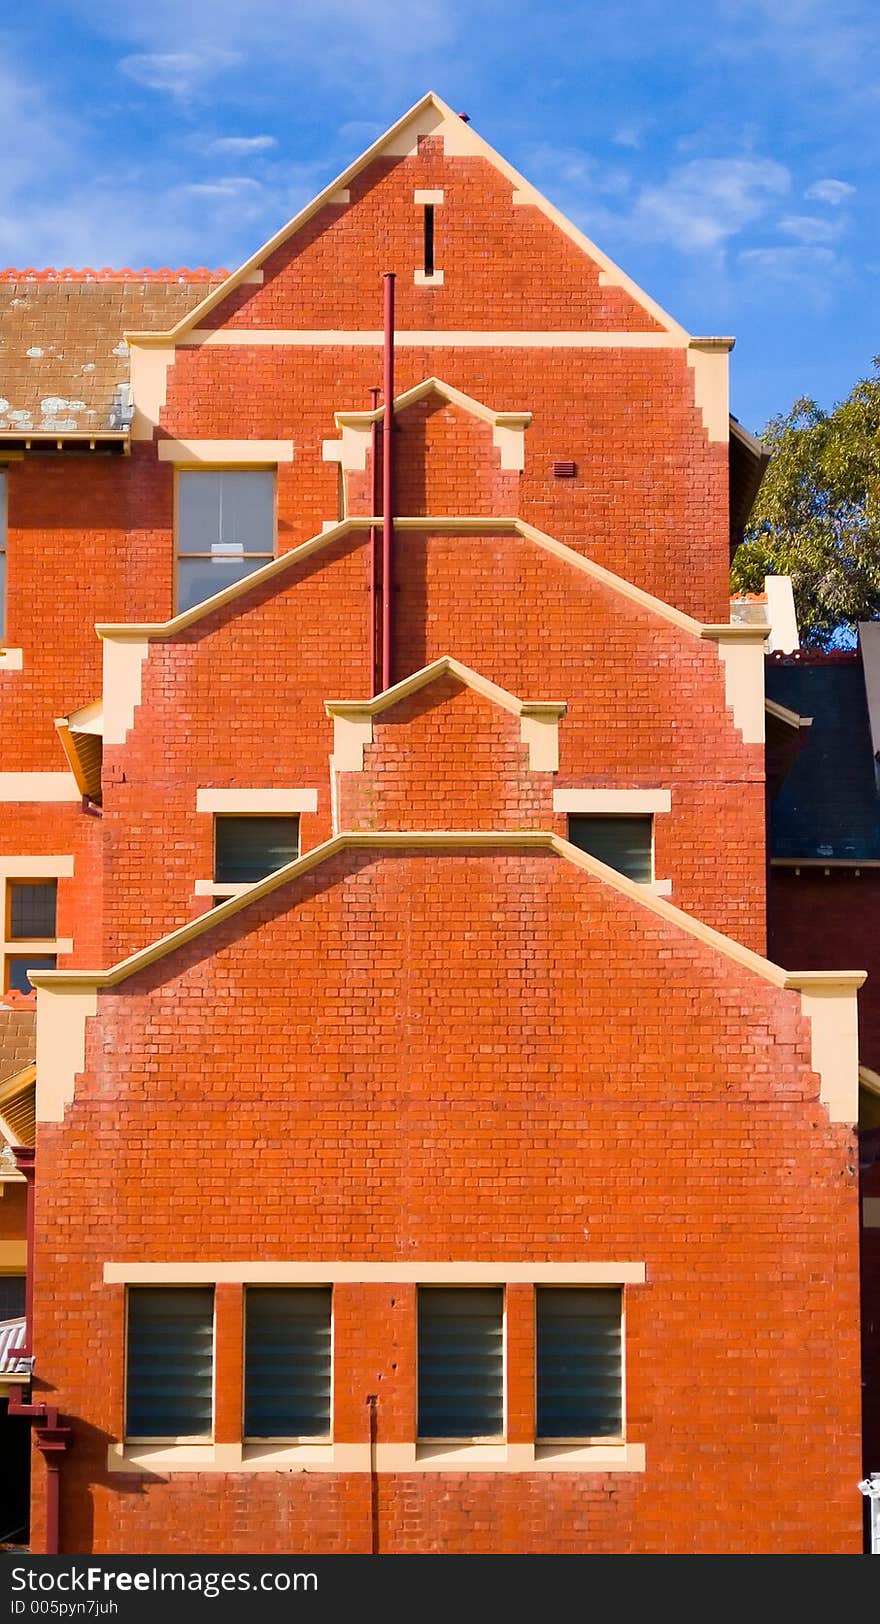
[{"x": 564, "y": 470}]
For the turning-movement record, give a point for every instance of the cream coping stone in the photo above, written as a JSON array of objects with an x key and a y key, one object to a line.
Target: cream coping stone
[
  {"x": 429, "y": 115},
  {"x": 148, "y": 373},
  {"x": 124, "y": 660},
  {"x": 36, "y": 868},
  {"x": 508, "y": 427},
  {"x": 62, "y": 1012},
  {"x": 213, "y": 888},
  {"x": 372, "y": 1272},
  {"x": 38, "y": 787},
  {"x": 225, "y": 451},
  {"x": 709, "y": 364},
  {"x": 257, "y": 800},
  {"x": 11, "y": 659},
  {"x": 428, "y": 279},
  {"x": 612, "y": 800},
  {"x": 427, "y": 195}
]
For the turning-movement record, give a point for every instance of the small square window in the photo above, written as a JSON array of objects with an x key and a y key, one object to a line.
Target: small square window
[
  {"x": 287, "y": 1362},
  {"x": 18, "y": 965},
  {"x": 170, "y": 1362},
  {"x": 461, "y": 1362},
  {"x": 624, "y": 843},
  {"x": 580, "y": 1362},
  {"x": 32, "y": 910},
  {"x": 248, "y": 848}
]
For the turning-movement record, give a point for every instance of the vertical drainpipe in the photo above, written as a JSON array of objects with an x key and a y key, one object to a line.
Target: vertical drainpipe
[
  {"x": 387, "y": 479},
  {"x": 375, "y": 562},
  {"x": 25, "y": 1161}
]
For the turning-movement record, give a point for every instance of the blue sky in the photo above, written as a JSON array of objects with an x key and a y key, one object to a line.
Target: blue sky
[{"x": 724, "y": 152}]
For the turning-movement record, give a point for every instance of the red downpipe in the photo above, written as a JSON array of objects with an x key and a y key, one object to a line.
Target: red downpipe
[
  {"x": 387, "y": 479},
  {"x": 375, "y": 562}
]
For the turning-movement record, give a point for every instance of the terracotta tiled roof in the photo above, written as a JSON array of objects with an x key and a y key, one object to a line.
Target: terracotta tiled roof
[
  {"x": 18, "y": 1025},
  {"x": 64, "y": 366}
]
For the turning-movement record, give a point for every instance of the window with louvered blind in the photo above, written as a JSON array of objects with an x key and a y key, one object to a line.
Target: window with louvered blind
[
  {"x": 461, "y": 1362},
  {"x": 580, "y": 1362},
  {"x": 225, "y": 529},
  {"x": 288, "y": 1358},
  {"x": 170, "y": 1362},
  {"x": 248, "y": 848},
  {"x": 624, "y": 843}
]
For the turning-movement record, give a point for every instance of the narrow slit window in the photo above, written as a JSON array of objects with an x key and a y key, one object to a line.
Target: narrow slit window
[
  {"x": 429, "y": 239},
  {"x": 32, "y": 910},
  {"x": 287, "y": 1362},
  {"x": 246, "y": 849},
  {"x": 170, "y": 1363},
  {"x": 624, "y": 843},
  {"x": 461, "y": 1362},
  {"x": 580, "y": 1362}
]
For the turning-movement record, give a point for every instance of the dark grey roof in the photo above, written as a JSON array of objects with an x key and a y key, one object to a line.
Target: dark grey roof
[{"x": 828, "y": 805}]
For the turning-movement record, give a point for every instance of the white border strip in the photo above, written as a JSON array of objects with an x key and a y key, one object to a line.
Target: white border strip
[
  {"x": 256, "y": 800},
  {"x": 365, "y": 1273},
  {"x": 612, "y": 800}
]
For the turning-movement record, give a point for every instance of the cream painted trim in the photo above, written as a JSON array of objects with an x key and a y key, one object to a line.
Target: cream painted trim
[
  {"x": 834, "y": 1029},
  {"x": 659, "y": 888},
  {"x": 783, "y": 714},
  {"x": 371, "y": 1272},
  {"x": 123, "y": 678},
  {"x": 256, "y": 800},
  {"x": 88, "y": 719},
  {"x": 62, "y": 1013},
  {"x": 426, "y": 338},
  {"x": 11, "y": 659},
  {"x": 428, "y": 279},
  {"x": 36, "y": 868},
  {"x": 13, "y": 1255},
  {"x": 743, "y": 663},
  {"x": 508, "y": 426},
  {"x": 871, "y": 1211},
  {"x": 709, "y": 364},
  {"x": 38, "y": 787},
  {"x": 842, "y": 982},
  {"x": 211, "y": 888},
  {"x": 870, "y": 1080},
  {"x": 426, "y": 196},
  {"x": 353, "y": 718},
  {"x": 254, "y": 278},
  {"x": 612, "y": 800},
  {"x": 341, "y": 195},
  {"x": 148, "y": 373},
  {"x": 226, "y": 451},
  {"x": 781, "y": 615},
  {"x": 240, "y": 1459},
  {"x": 430, "y": 115}
]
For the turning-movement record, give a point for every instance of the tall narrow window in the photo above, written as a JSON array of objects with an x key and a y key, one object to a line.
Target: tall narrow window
[
  {"x": 170, "y": 1363},
  {"x": 32, "y": 909},
  {"x": 287, "y": 1362},
  {"x": 2, "y": 553},
  {"x": 461, "y": 1362},
  {"x": 429, "y": 239},
  {"x": 248, "y": 848},
  {"x": 579, "y": 1386},
  {"x": 225, "y": 529},
  {"x": 624, "y": 843}
]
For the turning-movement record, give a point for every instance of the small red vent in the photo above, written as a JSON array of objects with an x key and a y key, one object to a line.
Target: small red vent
[{"x": 564, "y": 470}]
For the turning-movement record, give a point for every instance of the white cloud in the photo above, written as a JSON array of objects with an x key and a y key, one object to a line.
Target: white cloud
[
  {"x": 706, "y": 201},
  {"x": 629, "y": 135},
  {"x": 808, "y": 229},
  {"x": 803, "y": 264},
  {"x": 179, "y": 73},
  {"x": 240, "y": 146},
  {"x": 829, "y": 191}
]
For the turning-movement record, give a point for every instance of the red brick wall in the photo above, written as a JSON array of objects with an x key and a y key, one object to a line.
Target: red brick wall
[
  {"x": 13, "y": 1214},
  {"x": 525, "y": 1065}
]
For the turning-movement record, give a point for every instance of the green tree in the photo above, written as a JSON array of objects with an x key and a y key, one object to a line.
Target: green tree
[{"x": 817, "y": 515}]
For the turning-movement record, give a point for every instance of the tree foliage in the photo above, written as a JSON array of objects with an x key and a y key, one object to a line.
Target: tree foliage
[{"x": 817, "y": 515}]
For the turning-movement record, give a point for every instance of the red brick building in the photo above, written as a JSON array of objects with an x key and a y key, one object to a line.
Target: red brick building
[{"x": 427, "y": 1156}]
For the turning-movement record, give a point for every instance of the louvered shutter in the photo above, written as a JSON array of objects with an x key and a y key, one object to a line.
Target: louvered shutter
[
  {"x": 170, "y": 1362},
  {"x": 579, "y": 1362},
  {"x": 247, "y": 849},
  {"x": 287, "y": 1362},
  {"x": 461, "y": 1359},
  {"x": 623, "y": 843}
]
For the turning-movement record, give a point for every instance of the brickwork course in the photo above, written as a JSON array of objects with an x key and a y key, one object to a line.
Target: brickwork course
[{"x": 442, "y": 1038}]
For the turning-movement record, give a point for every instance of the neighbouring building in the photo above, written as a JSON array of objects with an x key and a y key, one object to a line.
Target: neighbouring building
[{"x": 427, "y": 1157}]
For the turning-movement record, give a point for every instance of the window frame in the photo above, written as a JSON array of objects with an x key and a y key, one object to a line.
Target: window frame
[
  {"x": 256, "y": 1440},
  {"x": 16, "y": 948},
  {"x": 166, "y": 1440},
  {"x": 583, "y": 1439},
  {"x": 428, "y": 1440},
  {"x": 219, "y": 468},
  {"x": 617, "y": 817},
  {"x": 12, "y": 882}
]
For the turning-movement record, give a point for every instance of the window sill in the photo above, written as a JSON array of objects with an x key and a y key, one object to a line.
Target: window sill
[
  {"x": 163, "y": 1460},
  {"x": 166, "y": 1459}
]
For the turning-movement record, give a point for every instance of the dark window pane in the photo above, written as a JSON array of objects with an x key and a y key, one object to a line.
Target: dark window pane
[
  {"x": 170, "y": 1361},
  {"x": 461, "y": 1358},
  {"x": 579, "y": 1362},
  {"x": 17, "y": 969},
  {"x": 12, "y": 1294},
  {"x": 32, "y": 909},
  {"x": 247, "y": 849},
  {"x": 287, "y": 1362},
  {"x": 623, "y": 843},
  {"x": 226, "y": 512},
  {"x": 2, "y": 592},
  {"x": 200, "y": 578}
]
